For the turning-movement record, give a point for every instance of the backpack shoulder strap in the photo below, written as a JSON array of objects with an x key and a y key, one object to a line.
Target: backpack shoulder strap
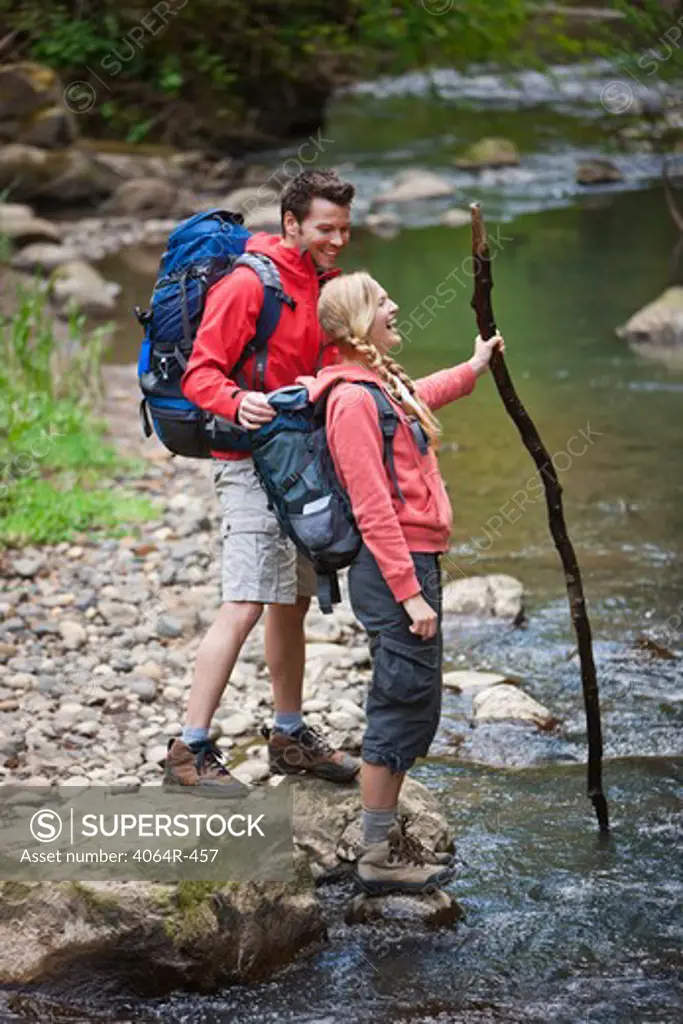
[
  {"x": 388, "y": 422},
  {"x": 269, "y": 317}
]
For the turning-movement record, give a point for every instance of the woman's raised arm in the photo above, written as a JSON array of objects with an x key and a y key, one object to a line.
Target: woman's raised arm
[{"x": 444, "y": 386}]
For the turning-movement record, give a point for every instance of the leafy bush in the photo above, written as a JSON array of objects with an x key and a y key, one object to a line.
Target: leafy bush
[
  {"x": 263, "y": 71},
  {"x": 54, "y": 460},
  {"x": 230, "y": 74}
]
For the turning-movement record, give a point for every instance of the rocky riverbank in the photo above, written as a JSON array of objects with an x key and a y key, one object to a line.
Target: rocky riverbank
[
  {"x": 147, "y": 939},
  {"x": 98, "y": 638}
]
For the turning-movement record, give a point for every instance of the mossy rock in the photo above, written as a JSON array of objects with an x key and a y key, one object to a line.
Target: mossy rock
[
  {"x": 488, "y": 152},
  {"x": 32, "y": 109},
  {"x": 149, "y": 939},
  {"x": 598, "y": 172}
]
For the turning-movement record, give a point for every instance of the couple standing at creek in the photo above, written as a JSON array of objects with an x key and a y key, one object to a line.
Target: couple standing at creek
[{"x": 339, "y": 329}]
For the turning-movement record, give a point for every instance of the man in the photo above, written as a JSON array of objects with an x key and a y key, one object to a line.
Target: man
[{"x": 259, "y": 565}]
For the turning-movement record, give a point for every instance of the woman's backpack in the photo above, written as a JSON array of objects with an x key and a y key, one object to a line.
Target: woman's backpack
[
  {"x": 296, "y": 470},
  {"x": 199, "y": 252}
]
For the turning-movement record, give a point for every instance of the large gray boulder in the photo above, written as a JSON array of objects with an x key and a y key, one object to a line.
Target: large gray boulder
[
  {"x": 70, "y": 175},
  {"x": 327, "y": 822},
  {"x": 505, "y": 702},
  {"x": 76, "y": 282},
  {"x": 150, "y": 938},
  {"x": 152, "y": 197},
  {"x": 432, "y": 910},
  {"x": 249, "y": 199},
  {"x": 412, "y": 185},
  {"x": 455, "y": 218},
  {"x": 264, "y": 218},
  {"x": 20, "y": 225},
  {"x": 657, "y": 329},
  {"x": 32, "y": 109},
  {"x": 495, "y": 596},
  {"x": 42, "y": 256}
]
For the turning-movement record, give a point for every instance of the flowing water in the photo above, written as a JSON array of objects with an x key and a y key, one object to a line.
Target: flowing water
[{"x": 559, "y": 925}]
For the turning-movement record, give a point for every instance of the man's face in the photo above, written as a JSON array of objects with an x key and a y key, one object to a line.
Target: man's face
[{"x": 324, "y": 231}]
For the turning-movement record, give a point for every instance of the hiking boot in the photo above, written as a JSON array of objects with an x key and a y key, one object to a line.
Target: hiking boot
[
  {"x": 307, "y": 752},
  {"x": 200, "y": 764},
  {"x": 416, "y": 846},
  {"x": 398, "y": 865}
]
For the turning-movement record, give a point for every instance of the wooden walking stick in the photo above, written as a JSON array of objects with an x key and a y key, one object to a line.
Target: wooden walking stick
[{"x": 483, "y": 309}]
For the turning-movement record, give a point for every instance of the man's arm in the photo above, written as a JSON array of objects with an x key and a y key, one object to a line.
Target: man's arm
[{"x": 228, "y": 324}]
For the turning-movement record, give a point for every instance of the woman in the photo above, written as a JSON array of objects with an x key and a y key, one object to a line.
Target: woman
[{"x": 394, "y": 583}]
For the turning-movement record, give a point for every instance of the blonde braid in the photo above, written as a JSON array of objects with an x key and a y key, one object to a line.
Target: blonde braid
[
  {"x": 389, "y": 371},
  {"x": 425, "y": 414}
]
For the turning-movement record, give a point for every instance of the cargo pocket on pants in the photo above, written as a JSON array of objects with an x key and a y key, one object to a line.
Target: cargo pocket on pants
[{"x": 403, "y": 673}]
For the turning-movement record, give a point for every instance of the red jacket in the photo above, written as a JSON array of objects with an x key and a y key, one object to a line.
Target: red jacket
[
  {"x": 229, "y": 322},
  {"x": 390, "y": 528}
]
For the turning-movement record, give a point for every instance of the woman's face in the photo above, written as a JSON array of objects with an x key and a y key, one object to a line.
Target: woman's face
[{"x": 383, "y": 333}]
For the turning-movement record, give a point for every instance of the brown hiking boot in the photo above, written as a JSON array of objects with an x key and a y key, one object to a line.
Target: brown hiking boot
[
  {"x": 398, "y": 865},
  {"x": 199, "y": 765},
  {"x": 307, "y": 752}
]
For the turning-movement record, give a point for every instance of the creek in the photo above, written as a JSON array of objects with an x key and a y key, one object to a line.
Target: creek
[{"x": 559, "y": 925}]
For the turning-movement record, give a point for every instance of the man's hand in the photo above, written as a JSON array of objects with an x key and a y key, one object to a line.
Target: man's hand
[
  {"x": 423, "y": 615},
  {"x": 254, "y": 410}
]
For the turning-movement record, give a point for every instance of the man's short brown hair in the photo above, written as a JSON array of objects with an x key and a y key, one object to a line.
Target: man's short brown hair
[{"x": 309, "y": 185}]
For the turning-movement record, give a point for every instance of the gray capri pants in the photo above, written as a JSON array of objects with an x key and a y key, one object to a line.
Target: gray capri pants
[{"x": 403, "y": 706}]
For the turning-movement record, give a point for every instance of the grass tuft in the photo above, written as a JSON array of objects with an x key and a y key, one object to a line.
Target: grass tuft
[{"x": 56, "y": 466}]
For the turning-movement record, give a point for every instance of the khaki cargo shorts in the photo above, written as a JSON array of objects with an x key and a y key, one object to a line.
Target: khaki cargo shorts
[{"x": 259, "y": 563}]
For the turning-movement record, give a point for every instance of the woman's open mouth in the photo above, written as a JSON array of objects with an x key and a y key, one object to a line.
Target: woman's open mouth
[{"x": 392, "y": 327}]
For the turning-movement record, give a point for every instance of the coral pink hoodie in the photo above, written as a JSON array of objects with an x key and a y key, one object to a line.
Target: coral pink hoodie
[{"x": 391, "y": 529}]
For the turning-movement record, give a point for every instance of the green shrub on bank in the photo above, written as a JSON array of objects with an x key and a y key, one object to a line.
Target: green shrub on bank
[
  {"x": 229, "y": 73},
  {"x": 225, "y": 73},
  {"x": 56, "y": 467}
]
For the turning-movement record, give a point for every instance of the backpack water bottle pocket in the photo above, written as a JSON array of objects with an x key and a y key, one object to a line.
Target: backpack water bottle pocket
[
  {"x": 324, "y": 527},
  {"x": 314, "y": 525},
  {"x": 180, "y": 426}
]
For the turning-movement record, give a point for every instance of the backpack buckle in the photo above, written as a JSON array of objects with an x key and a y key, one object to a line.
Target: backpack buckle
[{"x": 143, "y": 316}]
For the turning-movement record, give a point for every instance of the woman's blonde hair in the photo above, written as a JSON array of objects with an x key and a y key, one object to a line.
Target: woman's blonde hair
[{"x": 346, "y": 310}]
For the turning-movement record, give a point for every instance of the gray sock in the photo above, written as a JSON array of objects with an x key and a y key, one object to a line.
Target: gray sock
[
  {"x": 288, "y": 721},
  {"x": 194, "y": 734},
  {"x": 376, "y": 824}
]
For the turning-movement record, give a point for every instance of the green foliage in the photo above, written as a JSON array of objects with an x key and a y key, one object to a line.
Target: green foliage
[
  {"x": 42, "y": 512},
  {"x": 231, "y": 74},
  {"x": 55, "y": 465},
  {"x": 220, "y": 70},
  {"x": 61, "y": 40},
  {"x": 630, "y": 42},
  {"x": 405, "y": 34},
  {"x": 652, "y": 35}
]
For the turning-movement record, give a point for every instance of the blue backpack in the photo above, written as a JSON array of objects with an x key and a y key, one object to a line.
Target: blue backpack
[
  {"x": 199, "y": 252},
  {"x": 295, "y": 467}
]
